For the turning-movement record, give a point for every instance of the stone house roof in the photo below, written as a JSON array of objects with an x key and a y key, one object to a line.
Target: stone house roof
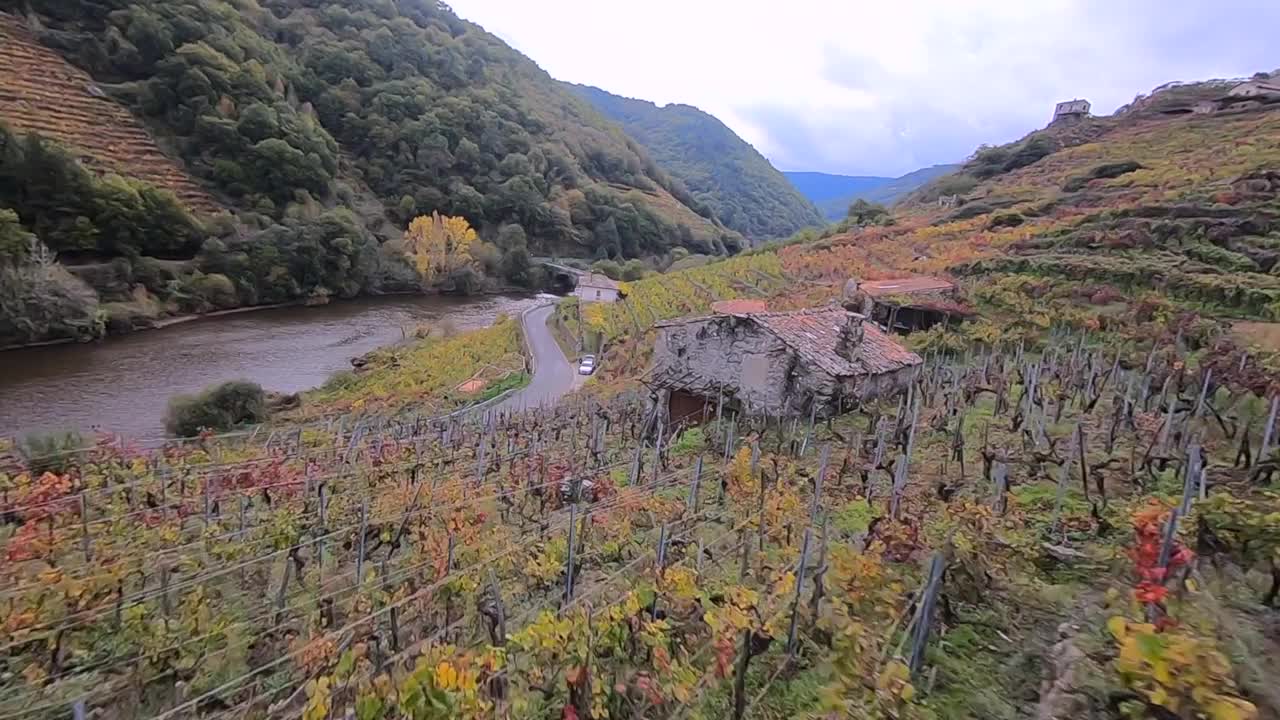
[
  {"x": 818, "y": 334},
  {"x": 738, "y": 307},
  {"x": 596, "y": 280},
  {"x": 906, "y": 286}
]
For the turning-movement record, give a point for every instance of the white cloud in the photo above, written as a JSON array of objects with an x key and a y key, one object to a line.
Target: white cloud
[{"x": 882, "y": 87}]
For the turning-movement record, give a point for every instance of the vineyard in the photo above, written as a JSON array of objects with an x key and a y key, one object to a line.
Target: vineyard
[
  {"x": 423, "y": 376},
  {"x": 42, "y": 93},
  {"x": 1071, "y": 513},
  {"x": 1187, "y": 208},
  {"x": 916, "y": 559}
]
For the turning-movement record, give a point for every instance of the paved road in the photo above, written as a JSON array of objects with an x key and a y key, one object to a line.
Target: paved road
[{"x": 553, "y": 375}]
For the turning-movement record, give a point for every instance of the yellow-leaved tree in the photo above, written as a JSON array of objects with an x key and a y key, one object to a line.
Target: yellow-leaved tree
[{"x": 438, "y": 245}]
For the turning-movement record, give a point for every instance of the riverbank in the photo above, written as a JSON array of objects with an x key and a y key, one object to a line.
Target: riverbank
[
  {"x": 172, "y": 320},
  {"x": 123, "y": 383}
]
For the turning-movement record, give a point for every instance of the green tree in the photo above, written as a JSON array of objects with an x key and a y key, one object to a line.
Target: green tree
[
  {"x": 15, "y": 241},
  {"x": 862, "y": 212}
]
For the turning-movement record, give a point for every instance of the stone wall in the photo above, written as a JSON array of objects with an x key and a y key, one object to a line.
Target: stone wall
[
  {"x": 752, "y": 365},
  {"x": 756, "y": 370},
  {"x": 870, "y": 387}
]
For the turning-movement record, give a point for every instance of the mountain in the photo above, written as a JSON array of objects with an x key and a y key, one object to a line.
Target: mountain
[
  {"x": 1162, "y": 219},
  {"x": 323, "y": 127},
  {"x": 832, "y": 194},
  {"x": 721, "y": 170}
]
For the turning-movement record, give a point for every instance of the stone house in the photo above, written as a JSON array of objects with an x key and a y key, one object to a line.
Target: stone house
[
  {"x": 906, "y": 304},
  {"x": 819, "y": 360},
  {"x": 594, "y": 287},
  {"x": 1071, "y": 110},
  {"x": 1265, "y": 90}
]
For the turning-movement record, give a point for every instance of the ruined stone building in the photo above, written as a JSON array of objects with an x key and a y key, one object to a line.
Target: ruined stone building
[
  {"x": 819, "y": 360},
  {"x": 1257, "y": 89},
  {"x": 907, "y": 304},
  {"x": 1071, "y": 110}
]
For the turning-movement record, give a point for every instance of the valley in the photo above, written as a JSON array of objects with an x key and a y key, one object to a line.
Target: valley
[{"x": 998, "y": 441}]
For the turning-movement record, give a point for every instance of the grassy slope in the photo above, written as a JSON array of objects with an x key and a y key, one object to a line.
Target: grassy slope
[{"x": 1176, "y": 225}]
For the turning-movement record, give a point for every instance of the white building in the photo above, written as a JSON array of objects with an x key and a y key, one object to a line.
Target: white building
[{"x": 594, "y": 287}]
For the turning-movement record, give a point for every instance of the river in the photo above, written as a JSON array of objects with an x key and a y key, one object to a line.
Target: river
[{"x": 123, "y": 384}]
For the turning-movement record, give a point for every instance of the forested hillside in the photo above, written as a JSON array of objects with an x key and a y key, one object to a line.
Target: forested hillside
[
  {"x": 722, "y": 171},
  {"x": 326, "y": 127}
]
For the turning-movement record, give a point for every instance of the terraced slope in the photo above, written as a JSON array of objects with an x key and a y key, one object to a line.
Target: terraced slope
[{"x": 40, "y": 92}]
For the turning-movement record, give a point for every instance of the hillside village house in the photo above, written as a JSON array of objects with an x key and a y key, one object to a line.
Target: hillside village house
[
  {"x": 818, "y": 361},
  {"x": 594, "y": 287}
]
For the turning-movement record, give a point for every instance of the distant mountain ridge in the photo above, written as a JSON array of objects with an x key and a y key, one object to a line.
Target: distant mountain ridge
[
  {"x": 722, "y": 171},
  {"x": 832, "y": 194}
]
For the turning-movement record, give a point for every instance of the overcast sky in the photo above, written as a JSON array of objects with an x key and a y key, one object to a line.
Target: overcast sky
[{"x": 884, "y": 87}]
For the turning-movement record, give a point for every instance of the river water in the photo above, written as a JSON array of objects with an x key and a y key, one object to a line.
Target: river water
[{"x": 123, "y": 384}]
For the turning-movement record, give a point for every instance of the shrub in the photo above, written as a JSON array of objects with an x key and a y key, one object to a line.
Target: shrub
[
  {"x": 609, "y": 268},
  {"x": 1003, "y": 220},
  {"x": 1101, "y": 172},
  {"x": 219, "y": 408},
  {"x": 634, "y": 270},
  {"x": 955, "y": 184},
  {"x": 972, "y": 210},
  {"x": 51, "y": 452},
  {"x": 42, "y": 301}
]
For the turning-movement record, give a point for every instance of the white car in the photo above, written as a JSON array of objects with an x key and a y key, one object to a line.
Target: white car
[{"x": 587, "y": 365}]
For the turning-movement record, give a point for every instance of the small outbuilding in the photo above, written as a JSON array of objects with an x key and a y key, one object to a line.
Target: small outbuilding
[
  {"x": 594, "y": 287},
  {"x": 907, "y": 304},
  {"x": 1265, "y": 90},
  {"x": 1071, "y": 110},
  {"x": 819, "y": 361}
]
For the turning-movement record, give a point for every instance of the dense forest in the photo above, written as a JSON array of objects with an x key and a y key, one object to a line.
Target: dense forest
[
  {"x": 723, "y": 172},
  {"x": 326, "y": 127}
]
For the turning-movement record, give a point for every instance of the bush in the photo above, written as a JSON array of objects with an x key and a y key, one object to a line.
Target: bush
[
  {"x": 51, "y": 452},
  {"x": 954, "y": 184},
  {"x": 1003, "y": 220},
  {"x": 42, "y": 301},
  {"x": 609, "y": 268},
  {"x": 634, "y": 270},
  {"x": 972, "y": 210},
  {"x": 1101, "y": 172},
  {"x": 220, "y": 408}
]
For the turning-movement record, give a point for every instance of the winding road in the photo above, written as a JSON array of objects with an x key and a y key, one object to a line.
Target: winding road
[{"x": 553, "y": 375}]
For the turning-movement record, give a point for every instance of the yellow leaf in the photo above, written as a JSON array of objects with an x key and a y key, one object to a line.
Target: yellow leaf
[
  {"x": 1229, "y": 708},
  {"x": 446, "y": 675},
  {"x": 1117, "y": 625}
]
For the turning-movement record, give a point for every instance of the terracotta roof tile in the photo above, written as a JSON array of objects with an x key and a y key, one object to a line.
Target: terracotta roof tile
[
  {"x": 879, "y": 353},
  {"x": 738, "y": 307},
  {"x": 596, "y": 280},
  {"x": 906, "y": 286},
  {"x": 814, "y": 333}
]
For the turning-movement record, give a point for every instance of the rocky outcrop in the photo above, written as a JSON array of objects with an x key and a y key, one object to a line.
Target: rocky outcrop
[{"x": 1060, "y": 695}]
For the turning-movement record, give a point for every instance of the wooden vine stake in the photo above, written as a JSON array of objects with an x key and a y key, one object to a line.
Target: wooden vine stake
[
  {"x": 364, "y": 527},
  {"x": 924, "y": 613},
  {"x": 795, "y": 601}
]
